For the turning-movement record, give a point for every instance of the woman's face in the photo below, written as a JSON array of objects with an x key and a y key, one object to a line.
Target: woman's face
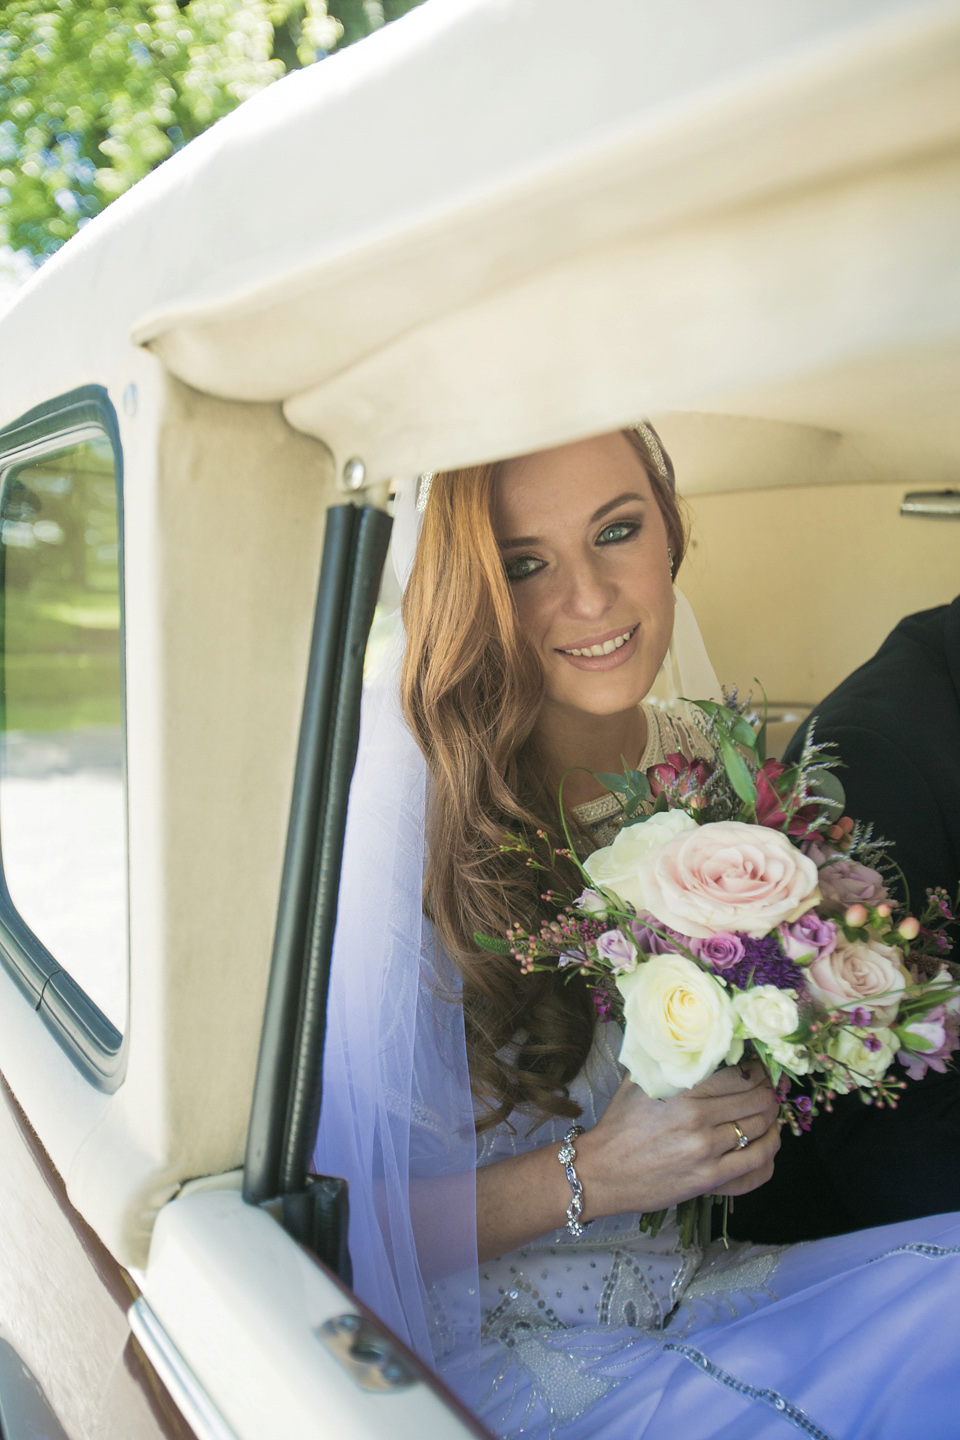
[{"x": 584, "y": 547}]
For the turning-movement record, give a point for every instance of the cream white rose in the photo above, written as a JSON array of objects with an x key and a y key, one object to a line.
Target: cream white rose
[
  {"x": 792, "y": 1057},
  {"x": 859, "y": 970},
  {"x": 766, "y": 1013},
  {"x": 727, "y": 876},
  {"x": 615, "y": 867},
  {"x": 866, "y": 1065},
  {"x": 678, "y": 1025}
]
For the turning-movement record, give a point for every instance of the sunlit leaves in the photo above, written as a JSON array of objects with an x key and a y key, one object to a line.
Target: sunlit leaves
[{"x": 94, "y": 94}]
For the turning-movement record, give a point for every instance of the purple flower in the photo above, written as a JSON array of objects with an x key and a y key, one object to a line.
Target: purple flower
[
  {"x": 860, "y": 1015},
  {"x": 872, "y": 1043},
  {"x": 614, "y": 947},
  {"x": 817, "y": 849},
  {"x": 810, "y": 937},
  {"x": 847, "y": 882},
  {"x": 656, "y": 939},
  {"x": 802, "y": 1108},
  {"x": 764, "y": 963},
  {"x": 936, "y": 1035},
  {"x": 570, "y": 957},
  {"x": 719, "y": 951}
]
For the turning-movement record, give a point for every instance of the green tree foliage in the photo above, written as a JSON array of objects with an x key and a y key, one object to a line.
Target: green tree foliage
[{"x": 94, "y": 94}]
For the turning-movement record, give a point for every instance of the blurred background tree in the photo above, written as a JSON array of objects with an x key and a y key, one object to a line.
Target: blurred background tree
[{"x": 94, "y": 94}]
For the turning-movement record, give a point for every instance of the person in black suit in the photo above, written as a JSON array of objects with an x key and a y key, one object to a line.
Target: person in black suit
[{"x": 895, "y": 723}]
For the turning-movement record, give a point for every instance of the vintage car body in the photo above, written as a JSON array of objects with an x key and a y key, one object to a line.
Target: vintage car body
[{"x": 489, "y": 228}]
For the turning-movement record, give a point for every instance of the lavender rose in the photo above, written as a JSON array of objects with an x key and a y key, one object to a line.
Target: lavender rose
[
  {"x": 935, "y": 1036},
  {"x": 616, "y": 948},
  {"x": 720, "y": 951},
  {"x": 656, "y": 939},
  {"x": 591, "y": 902},
  {"x": 847, "y": 882},
  {"x": 818, "y": 850},
  {"x": 808, "y": 938}
]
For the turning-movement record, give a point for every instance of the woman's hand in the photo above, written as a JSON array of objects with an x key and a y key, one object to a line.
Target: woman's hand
[
  {"x": 648, "y": 1154},
  {"x": 643, "y": 1155}
]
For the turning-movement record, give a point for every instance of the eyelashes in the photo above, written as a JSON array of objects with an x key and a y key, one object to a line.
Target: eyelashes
[
  {"x": 523, "y": 567},
  {"x": 626, "y": 527}
]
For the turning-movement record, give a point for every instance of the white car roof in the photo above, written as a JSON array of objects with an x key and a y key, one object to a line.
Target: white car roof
[{"x": 499, "y": 224}]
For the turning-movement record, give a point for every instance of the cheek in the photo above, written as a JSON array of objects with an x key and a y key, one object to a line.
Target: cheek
[{"x": 531, "y": 611}]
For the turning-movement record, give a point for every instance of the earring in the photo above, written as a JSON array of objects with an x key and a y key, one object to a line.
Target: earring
[{"x": 670, "y": 558}]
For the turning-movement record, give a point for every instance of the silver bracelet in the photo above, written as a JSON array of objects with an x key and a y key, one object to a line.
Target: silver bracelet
[{"x": 567, "y": 1154}]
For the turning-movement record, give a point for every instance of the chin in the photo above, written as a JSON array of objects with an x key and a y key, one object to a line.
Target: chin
[{"x": 599, "y": 698}]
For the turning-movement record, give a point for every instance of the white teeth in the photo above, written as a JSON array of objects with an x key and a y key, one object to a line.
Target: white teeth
[{"x": 607, "y": 648}]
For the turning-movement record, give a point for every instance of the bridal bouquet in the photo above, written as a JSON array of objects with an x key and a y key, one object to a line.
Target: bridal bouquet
[{"x": 738, "y": 913}]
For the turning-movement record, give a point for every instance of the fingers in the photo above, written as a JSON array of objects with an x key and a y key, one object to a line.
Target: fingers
[
  {"x": 732, "y": 1080},
  {"x": 722, "y": 1109},
  {"x": 740, "y": 1171},
  {"x": 726, "y": 1137}
]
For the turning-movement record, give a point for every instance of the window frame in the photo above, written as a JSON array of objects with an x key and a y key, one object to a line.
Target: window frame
[{"x": 91, "y": 1041}]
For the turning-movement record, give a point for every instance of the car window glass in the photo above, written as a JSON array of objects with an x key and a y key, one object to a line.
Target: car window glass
[{"x": 62, "y": 807}]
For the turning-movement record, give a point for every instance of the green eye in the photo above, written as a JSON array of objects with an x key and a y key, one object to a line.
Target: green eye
[
  {"x": 618, "y": 530},
  {"x": 523, "y": 566}
]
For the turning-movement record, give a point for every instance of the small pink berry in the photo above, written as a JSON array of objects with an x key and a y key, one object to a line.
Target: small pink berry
[
  {"x": 856, "y": 916},
  {"x": 909, "y": 928},
  {"x": 883, "y": 910}
]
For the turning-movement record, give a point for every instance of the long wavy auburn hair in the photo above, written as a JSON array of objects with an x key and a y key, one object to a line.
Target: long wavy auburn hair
[{"x": 472, "y": 689}]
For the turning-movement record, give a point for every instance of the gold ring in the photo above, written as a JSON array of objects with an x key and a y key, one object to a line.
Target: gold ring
[{"x": 742, "y": 1140}]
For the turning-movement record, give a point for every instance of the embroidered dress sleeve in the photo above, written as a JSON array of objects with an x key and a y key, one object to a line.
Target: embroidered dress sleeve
[{"x": 679, "y": 729}]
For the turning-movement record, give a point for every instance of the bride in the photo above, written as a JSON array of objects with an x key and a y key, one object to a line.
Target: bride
[{"x": 539, "y": 614}]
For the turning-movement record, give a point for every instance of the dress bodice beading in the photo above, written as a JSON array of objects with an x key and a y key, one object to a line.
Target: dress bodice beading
[{"x": 669, "y": 732}]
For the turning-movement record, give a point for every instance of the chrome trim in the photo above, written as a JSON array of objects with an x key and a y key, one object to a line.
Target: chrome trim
[
  {"x": 368, "y": 1353},
  {"x": 192, "y": 1400},
  {"x": 934, "y": 504}
]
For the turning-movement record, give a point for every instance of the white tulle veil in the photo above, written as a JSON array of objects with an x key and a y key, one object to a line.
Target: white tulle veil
[{"x": 397, "y": 1117}]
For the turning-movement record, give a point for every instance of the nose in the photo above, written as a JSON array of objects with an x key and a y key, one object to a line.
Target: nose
[{"x": 589, "y": 594}]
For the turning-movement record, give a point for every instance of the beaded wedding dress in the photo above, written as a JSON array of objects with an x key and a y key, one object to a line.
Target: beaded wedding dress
[{"x": 615, "y": 1335}]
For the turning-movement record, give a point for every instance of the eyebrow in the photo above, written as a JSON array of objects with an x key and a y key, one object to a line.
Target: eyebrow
[{"x": 521, "y": 540}]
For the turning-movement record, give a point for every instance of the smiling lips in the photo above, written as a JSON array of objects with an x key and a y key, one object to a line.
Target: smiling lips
[{"x": 602, "y": 646}]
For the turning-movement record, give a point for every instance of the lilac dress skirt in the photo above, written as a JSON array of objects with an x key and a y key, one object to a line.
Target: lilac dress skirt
[{"x": 617, "y": 1336}]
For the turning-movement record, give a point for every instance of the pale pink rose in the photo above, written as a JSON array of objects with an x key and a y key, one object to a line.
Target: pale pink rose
[
  {"x": 727, "y": 876},
  {"x": 859, "y": 970}
]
